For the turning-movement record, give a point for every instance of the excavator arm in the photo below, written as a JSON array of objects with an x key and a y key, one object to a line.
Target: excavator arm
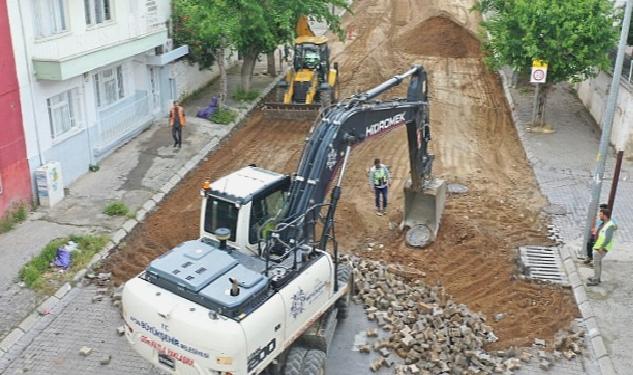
[{"x": 348, "y": 123}]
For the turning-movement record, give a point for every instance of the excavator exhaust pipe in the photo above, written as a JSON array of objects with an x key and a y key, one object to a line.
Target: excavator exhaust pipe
[{"x": 423, "y": 212}]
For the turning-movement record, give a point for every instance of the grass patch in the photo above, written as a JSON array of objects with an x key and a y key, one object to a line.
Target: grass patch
[
  {"x": 224, "y": 116},
  {"x": 38, "y": 275},
  {"x": 15, "y": 215},
  {"x": 245, "y": 95},
  {"x": 117, "y": 208}
]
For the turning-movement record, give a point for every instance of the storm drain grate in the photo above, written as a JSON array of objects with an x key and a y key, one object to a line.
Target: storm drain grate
[{"x": 542, "y": 263}]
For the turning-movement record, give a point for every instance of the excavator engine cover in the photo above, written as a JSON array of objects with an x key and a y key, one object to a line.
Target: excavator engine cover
[{"x": 423, "y": 212}]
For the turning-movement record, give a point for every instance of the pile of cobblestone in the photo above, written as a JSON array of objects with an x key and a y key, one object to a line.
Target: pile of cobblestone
[{"x": 431, "y": 333}]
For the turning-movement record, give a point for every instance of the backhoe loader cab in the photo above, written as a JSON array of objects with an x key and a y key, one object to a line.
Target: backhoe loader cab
[{"x": 245, "y": 202}]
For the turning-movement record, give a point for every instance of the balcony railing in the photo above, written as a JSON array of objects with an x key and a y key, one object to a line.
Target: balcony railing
[{"x": 121, "y": 121}]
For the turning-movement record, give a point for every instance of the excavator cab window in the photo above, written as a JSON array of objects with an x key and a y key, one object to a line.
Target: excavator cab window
[
  {"x": 220, "y": 214},
  {"x": 263, "y": 212}
]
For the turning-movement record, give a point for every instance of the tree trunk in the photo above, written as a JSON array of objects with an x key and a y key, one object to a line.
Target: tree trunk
[
  {"x": 223, "y": 78},
  {"x": 270, "y": 58},
  {"x": 248, "y": 66}
]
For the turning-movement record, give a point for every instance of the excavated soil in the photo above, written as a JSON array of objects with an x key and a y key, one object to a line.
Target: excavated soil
[
  {"x": 273, "y": 145},
  {"x": 439, "y": 37},
  {"x": 475, "y": 144}
]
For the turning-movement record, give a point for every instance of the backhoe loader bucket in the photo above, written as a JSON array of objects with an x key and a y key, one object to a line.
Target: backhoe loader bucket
[{"x": 423, "y": 212}]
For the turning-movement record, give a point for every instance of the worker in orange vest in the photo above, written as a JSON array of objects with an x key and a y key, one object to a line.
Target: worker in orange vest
[{"x": 177, "y": 121}]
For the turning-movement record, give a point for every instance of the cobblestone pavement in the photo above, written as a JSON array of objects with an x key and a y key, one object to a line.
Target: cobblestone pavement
[
  {"x": 52, "y": 347},
  {"x": 563, "y": 163}
]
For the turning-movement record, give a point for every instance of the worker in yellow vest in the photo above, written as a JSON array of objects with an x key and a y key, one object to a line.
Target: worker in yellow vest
[
  {"x": 379, "y": 181},
  {"x": 604, "y": 244}
]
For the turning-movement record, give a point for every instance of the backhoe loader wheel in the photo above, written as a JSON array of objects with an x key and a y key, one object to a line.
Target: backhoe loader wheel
[
  {"x": 303, "y": 361},
  {"x": 344, "y": 276}
]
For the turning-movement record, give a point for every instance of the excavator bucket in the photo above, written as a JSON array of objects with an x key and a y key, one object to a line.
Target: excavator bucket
[{"x": 423, "y": 212}]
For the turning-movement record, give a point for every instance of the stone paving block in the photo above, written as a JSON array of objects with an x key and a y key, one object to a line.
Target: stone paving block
[
  {"x": 158, "y": 197},
  {"x": 118, "y": 236},
  {"x": 79, "y": 276},
  {"x": 149, "y": 205},
  {"x": 598, "y": 347},
  {"x": 606, "y": 366},
  {"x": 182, "y": 172},
  {"x": 574, "y": 278},
  {"x": 140, "y": 215},
  {"x": 29, "y": 321},
  {"x": 580, "y": 294},
  {"x": 61, "y": 292},
  {"x": 11, "y": 339},
  {"x": 47, "y": 306},
  {"x": 586, "y": 310},
  {"x": 129, "y": 225},
  {"x": 592, "y": 326},
  {"x": 109, "y": 246},
  {"x": 167, "y": 187}
]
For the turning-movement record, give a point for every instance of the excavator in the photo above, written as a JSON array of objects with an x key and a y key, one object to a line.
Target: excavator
[
  {"x": 311, "y": 82},
  {"x": 262, "y": 289}
]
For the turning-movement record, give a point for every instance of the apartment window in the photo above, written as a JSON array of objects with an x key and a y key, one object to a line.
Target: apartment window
[
  {"x": 50, "y": 17},
  {"x": 64, "y": 111},
  {"x": 97, "y": 11},
  {"x": 109, "y": 86}
]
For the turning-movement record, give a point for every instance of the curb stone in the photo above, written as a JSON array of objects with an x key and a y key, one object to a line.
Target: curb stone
[
  {"x": 158, "y": 197},
  {"x": 140, "y": 215},
  {"x": 29, "y": 321},
  {"x": 26, "y": 324},
  {"x": 61, "y": 292},
  {"x": 129, "y": 225},
  {"x": 604, "y": 361},
  {"x": 118, "y": 236},
  {"x": 11, "y": 339},
  {"x": 149, "y": 205}
]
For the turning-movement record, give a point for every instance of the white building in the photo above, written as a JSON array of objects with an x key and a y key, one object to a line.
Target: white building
[{"x": 93, "y": 74}]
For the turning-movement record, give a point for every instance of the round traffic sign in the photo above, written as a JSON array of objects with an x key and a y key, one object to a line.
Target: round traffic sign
[{"x": 538, "y": 74}]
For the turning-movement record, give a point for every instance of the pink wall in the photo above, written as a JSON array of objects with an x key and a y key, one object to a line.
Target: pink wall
[{"x": 14, "y": 169}]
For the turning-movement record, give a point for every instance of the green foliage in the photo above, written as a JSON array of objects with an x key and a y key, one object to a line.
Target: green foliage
[
  {"x": 223, "y": 116},
  {"x": 573, "y": 37},
  {"x": 245, "y": 95},
  {"x": 250, "y": 26},
  {"x": 37, "y": 275},
  {"x": 16, "y": 214},
  {"x": 116, "y": 209}
]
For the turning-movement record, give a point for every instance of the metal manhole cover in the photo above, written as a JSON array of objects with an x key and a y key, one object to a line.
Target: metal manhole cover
[
  {"x": 418, "y": 236},
  {"x": 457, "y": 188},
  {"x": 542, "y": 263},
  {"x": 555, "y": 209}
]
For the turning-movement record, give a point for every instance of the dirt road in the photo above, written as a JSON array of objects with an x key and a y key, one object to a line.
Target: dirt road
[{"x": 475, "y": 143}]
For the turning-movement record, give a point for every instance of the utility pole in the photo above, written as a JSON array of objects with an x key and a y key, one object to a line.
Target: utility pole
[{"x": 607, "y": 125}]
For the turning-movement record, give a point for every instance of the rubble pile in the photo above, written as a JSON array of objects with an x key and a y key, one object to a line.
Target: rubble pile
[{"x": 427, "y": 330}]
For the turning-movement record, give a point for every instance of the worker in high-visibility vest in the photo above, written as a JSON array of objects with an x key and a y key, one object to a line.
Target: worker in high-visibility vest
[
  {"x": 177, "y": 122},
  {"x": 379, "y": 181},
  {"x": 604, "y": 244}
]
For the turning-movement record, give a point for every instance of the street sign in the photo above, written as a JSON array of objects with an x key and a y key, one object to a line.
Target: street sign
[{"x": 539, "y": 71}]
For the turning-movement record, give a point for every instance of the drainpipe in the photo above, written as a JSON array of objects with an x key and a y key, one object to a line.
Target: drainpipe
[{"x": 29, "y": 74}]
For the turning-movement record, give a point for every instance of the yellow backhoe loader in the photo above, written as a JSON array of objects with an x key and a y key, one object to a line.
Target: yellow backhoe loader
[{"x": 311, "y": 81}]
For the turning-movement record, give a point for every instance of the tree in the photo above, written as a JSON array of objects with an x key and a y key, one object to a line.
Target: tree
[
  {"x": 250, "y": 26},
  {"x": 206, "y": 27},
  {"x": 573, "y": 37}
]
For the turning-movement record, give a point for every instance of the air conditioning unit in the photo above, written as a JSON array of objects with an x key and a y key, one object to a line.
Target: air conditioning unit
[{"x": 164, "y": 48}]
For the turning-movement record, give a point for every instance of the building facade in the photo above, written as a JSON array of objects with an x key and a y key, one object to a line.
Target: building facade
[
  {"x": 92, "y": 74},
  {"x": 15, "y": 183}
]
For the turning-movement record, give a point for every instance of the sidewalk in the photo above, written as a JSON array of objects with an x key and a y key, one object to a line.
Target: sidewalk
[
  {"x": 132, "y": 174},
  {"x": 563, "y": 163}
]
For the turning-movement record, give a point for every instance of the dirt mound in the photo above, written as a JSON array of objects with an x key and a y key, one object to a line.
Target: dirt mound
[
  {"x": 177, "y": 217},
  {"x": 439, "y": 37}
]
